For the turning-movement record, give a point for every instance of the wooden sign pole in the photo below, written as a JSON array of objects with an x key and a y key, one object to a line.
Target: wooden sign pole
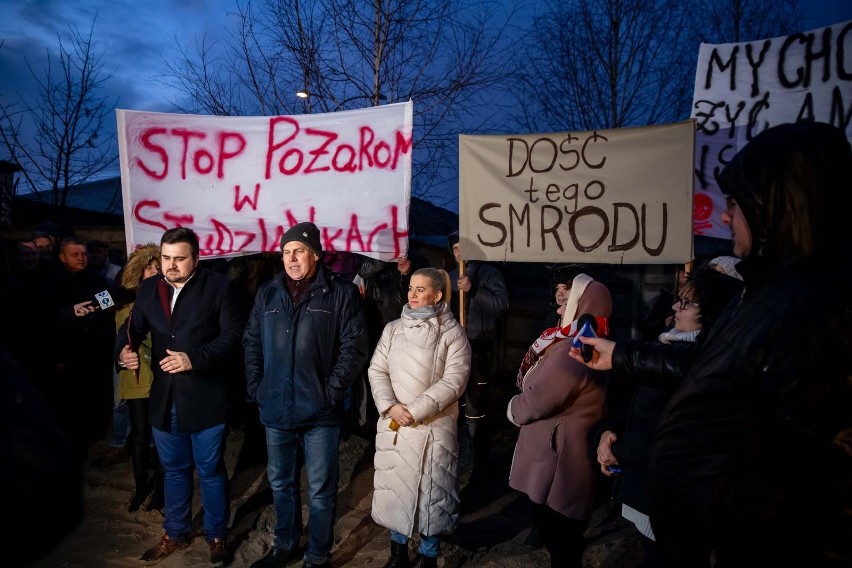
[{"x": 462, "y": 318}]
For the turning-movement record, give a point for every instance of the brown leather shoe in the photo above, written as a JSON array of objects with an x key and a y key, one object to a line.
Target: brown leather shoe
[
  {"x": 165, "y": 547},
  {"x": 219, "y": 555}
]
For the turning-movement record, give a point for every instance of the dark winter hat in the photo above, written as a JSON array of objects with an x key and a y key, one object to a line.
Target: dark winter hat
[
  {"x": 452, "y": 239},
  {"x": 306, "y": 233},
  {"x": 566, "y": 273}
]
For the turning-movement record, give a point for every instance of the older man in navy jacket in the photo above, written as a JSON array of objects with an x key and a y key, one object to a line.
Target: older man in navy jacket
[
  {"x": 305, "y": 345},
  {"x": 195, "y": 321}
]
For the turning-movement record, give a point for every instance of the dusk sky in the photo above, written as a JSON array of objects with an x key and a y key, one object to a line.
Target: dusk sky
[{"x": 135, "y": 37}]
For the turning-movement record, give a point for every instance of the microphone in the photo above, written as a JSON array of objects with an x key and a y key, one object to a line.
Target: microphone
[
  {"x": 103, "y": 300},
  {"x": 588, "y": 325}
]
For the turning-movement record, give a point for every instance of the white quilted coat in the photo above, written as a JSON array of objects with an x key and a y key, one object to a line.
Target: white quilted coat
[{"x": 424, "y": 364}]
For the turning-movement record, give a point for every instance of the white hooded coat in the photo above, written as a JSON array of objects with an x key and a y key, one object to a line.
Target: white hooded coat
[{"x": 424, "y": 364}]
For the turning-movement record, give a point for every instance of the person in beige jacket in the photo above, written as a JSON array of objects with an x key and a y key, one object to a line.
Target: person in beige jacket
[{"x": 418, "y": 372}]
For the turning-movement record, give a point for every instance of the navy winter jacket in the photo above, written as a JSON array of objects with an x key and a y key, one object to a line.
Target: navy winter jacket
[{"x": 301, "y": 359}]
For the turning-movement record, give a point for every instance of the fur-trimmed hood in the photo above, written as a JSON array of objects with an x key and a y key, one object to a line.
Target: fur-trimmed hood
[{"x": 131, "y": 276}]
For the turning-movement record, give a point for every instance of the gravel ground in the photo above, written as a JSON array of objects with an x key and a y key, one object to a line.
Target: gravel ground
[{"x": 492, "y": 531}]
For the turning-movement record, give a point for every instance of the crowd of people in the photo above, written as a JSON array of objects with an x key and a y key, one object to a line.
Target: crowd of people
[{"x": 731, "y": 450}]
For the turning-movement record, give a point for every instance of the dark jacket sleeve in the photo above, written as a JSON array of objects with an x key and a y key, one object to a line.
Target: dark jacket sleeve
[
  {"x": 132, "y": 332},
  {"x": 353, "y": 346},
  {"x": 370, "y": 267},
  {"x": 253, "y": 347},
  {"x": 489, "y": 291},
  {"x": 617, "y": 407},
  {"x": 659, "y": 365}
]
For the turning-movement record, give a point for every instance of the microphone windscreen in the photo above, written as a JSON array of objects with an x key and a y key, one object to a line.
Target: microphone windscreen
[
  {"x": 103, "y": 300},
  {"x": 588, "y": 325},
  {"x": 588, "y": 319}
]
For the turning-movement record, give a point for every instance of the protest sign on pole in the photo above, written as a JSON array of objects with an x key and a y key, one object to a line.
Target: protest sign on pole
[
  {"x": 741, "y": 89},
  {"x": 241, "y": 182},
  {"x": 620, "y": 196}
]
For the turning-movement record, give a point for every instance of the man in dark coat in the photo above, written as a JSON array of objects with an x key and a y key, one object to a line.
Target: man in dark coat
[
  {"x": 195, "y": 321},
  {"x": 79, "y": 390},
  {"x": 305, "y": 344}
]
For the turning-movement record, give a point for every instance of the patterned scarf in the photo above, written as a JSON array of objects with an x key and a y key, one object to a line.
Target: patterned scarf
[{"x": 551, "y": 336}]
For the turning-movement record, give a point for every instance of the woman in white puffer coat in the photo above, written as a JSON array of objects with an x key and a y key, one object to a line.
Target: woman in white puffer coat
[{"x": 417, "y": 374}]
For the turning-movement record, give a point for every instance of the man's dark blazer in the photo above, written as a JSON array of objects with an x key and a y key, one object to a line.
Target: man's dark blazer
[{"x": 207, "y": 324}]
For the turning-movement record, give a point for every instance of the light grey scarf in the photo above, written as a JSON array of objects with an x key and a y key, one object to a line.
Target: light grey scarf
[{"x": 422, "y": 313}]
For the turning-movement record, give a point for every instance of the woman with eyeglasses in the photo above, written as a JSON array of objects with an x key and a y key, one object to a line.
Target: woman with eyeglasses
[{"x": 624, "y": 445}]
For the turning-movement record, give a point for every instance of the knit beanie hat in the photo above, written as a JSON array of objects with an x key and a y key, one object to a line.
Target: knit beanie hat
[{"x": 306, "y": 233}]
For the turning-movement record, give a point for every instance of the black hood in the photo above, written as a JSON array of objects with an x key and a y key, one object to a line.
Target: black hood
[{"x": 792, "y": 182}]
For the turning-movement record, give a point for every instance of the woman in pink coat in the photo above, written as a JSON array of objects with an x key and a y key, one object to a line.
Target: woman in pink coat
[{"x": 560, "y": 402}]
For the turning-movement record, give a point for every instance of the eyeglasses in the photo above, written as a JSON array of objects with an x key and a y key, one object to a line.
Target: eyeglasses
[{"x": 684, "y": 303}]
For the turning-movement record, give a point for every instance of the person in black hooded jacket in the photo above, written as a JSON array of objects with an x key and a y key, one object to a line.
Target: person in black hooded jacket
[{"x": 749, "y": 465}]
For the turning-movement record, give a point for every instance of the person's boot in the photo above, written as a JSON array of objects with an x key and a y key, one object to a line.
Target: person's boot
[
  {"x": 143, "y": 489},
  {"x": 428, "y": 562},
  {"x": 399, "y": 556},
  {"x": 158, "y": 501},
  {"x": 534, "y": 539}
]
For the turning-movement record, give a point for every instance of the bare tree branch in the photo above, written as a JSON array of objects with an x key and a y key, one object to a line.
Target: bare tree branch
[
  {"x": 442, "y": 55},
  {"x": 607, "y": 64},
  {"x": 612, "y": 63},
  {"x": 67, "y": 116}
]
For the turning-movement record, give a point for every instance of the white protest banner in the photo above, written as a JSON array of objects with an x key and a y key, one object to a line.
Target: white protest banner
[
  {"x": 620, "y": 196},
  {"x": 241, "y": 182},
  {"x": 744, "y": 88}
]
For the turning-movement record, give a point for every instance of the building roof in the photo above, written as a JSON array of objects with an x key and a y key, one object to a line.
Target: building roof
[{"x": 428, "y": 223}]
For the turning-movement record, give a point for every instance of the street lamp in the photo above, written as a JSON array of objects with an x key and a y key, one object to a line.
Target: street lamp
[{"x": 303, "y": 94}]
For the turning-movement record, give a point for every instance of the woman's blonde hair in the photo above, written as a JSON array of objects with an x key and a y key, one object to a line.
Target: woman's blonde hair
[{"x": 439, "y": 281}]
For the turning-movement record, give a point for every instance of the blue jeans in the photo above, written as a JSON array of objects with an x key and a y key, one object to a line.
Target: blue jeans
[
  {"x": 320, "y": 447},
  {"x": 178, "y": 451},
  {"x": 429, "y": 545}
]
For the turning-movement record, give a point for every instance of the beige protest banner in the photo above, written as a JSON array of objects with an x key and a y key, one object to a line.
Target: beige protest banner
[{"x": 619, "y": 196}]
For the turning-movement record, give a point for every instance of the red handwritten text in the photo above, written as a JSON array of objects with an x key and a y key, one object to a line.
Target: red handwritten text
[
  {"x": 292, "y": 150},
  {"x": 263, "y": 235},
  {"x": 201, "y": 158}
]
